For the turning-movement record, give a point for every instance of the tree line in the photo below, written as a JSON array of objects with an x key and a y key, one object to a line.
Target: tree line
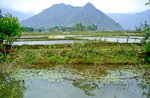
[{"x": 75, "y": 27}]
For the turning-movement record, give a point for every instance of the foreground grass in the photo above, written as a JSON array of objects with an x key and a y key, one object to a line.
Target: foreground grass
[{"x": 92, "y": 52}]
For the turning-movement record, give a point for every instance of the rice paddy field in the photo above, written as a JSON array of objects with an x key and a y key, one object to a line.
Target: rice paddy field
[{"x": 93, "y": 64}]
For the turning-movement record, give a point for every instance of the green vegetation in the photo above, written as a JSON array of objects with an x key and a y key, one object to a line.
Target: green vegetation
[
  {"x": 75, "y": 35},
  {"x": 9, "y": 87},
  {"x": 145, "y": 28},
  {"x": 147, "y": 3},
  {"x": 76, "y": 27},
  {"x": 89, "y": 65},
  {"x": 83, "y": 33},
  {"x": 31, "y": 29},
  {"x": 81, "y": 27},
  {"x": 10, "y": 30},
  {"x": 28, "y": 29},
  {"x": 92, "y": 52},
  {"x": 61, "y": 28}
]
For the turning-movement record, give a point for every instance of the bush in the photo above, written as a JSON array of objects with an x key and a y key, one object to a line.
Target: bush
[
  {"x": 146, "y": 29},
  {"x": 10, "y": 30},
  {"x": 147, "y": 52}
]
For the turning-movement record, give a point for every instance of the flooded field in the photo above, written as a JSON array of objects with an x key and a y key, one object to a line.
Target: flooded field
[
  {"x": 120, "y": 39},
  {"x": 43, "y": 42},
  {"x": 77, "y": 81},
  {"x": 96, "y": 70}
]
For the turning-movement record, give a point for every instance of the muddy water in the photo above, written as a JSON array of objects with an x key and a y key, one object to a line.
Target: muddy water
[{"x": 77, "y": 81}]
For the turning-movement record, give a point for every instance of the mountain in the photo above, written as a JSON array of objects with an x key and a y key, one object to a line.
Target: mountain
[
  {"x": 129, "y": 21},
  {"x": 67, "y": 15},
  {"x": 21, "y": 16}
]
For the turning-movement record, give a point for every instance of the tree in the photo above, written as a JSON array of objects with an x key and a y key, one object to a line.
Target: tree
[
  {"x": 146, "y": 29},
  {"x": 1, "y": 15},
  {"x": 51, "y": 29},
  {"x": 94, "y": 27},
  {"x": 28, "y": 29},
  {"x": 10, "y": 30},
  {"x": 148, "y": 3},
  {"x": 79, "y": 26},
  {"x": 89, "y": 28}
]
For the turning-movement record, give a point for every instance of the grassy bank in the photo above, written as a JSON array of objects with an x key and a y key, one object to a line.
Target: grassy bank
[
  {"x": 92, "y": 52},
  {"x": 83, "y": 33}
]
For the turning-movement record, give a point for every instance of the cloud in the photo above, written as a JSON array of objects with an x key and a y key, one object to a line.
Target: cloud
[{"x": 107, "y": 6}]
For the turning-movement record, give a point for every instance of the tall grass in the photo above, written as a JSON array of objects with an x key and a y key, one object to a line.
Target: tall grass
[{"x": 92, "y": 52}]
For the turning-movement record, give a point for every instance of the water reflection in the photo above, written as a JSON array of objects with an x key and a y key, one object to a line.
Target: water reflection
[
  {"x": 44, "y": 42},
  {"x": 120, "y": 39},
  {"x": 10, "y": 88},
  {"x": 88, "y": 88},
  {"x": 145, "y": 84},
  {"x": 114, "y": 39},
  {"x": 129, "y": 88},
  {"x": 80, "y": 82},
  {"x": 113, "y": 82}
]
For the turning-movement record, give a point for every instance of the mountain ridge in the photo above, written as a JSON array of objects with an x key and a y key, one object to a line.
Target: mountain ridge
[
  {"x": 63, "y": 15},
  {"x": 21, "y": 16},
  {"x": 129, "y": 21}
]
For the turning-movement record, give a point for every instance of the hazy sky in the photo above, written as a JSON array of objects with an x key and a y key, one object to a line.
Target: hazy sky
[{"x": 107, "y": 6}]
